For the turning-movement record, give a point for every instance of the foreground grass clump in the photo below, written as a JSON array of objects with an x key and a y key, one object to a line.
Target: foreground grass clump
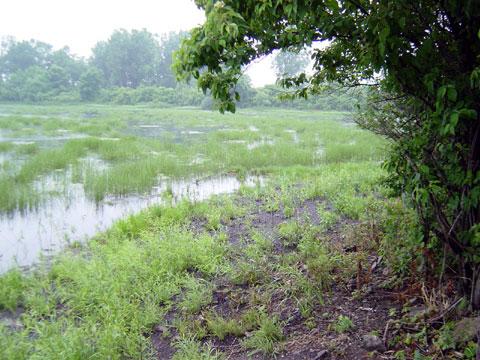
[
  {"x": 13, "y": 285},
  {"x": 103, "y": 305},
  {"x": 266, "y": 337}
]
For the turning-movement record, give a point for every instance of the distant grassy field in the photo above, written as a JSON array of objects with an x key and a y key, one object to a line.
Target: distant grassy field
[{"x": 119, "y": 150}]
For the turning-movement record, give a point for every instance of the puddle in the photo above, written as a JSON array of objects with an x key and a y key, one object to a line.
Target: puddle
[
  {"x": 108, "y": 139},
  {"x": 90, "y": 115},
  {"x": 262, "y": 142},
  {"x": 41, "y": 139},
  {"x": 17, "y": 142},
  {"x": 34, "y": 116},
  {"x": 160, "y": 130},
  {"x": 198, "y": 160},
  {"x": 5, "y": 157},
  {"x": 74, "y": 218},
  {"x": 320, "y": 153},
  {"x": 235, "y": 141},
  {"x": 149, "y": 126},
  {"x": 193, "y": 132}
]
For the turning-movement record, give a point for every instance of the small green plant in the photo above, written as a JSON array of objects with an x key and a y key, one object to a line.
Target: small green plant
[
  {"x": 188, "y": 348},
  {"x": 445, "y": 338},
  {"x": 188, "y": 326},
  {"x": 220, "y": 327},
  {"x": 343, "y": 324},
  {"x": 251, "y": 318},
  {"x": 214, "y": 219},
  {"x": 260, "y": 245},
  {"x": 470, "y": 350},
  {"x": 291, "y": 233},
  {"x": 247, "y": 272},
  {"x": 310, "y": 323},
  {"x": 197, "y": 294},
  {"x": 12, "y": 285},
  {"x": 271, "y": 204},
  {"x": 317, "y": 260},
  {"x": 327, "y": 218},
  {"x": 267, "y": 337}
]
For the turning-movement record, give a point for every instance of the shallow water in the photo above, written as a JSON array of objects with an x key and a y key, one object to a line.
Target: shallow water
[
  {"x": 41, "y": 138},
  {"x": 74, "y": 218}
]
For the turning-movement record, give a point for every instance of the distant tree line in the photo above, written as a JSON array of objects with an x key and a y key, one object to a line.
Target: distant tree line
[{"x": 133, "y": 67}]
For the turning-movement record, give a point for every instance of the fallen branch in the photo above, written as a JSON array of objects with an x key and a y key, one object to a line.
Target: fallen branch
[
  {"x": 442, "y": 315},
  {"x": 385, "y": 333}
]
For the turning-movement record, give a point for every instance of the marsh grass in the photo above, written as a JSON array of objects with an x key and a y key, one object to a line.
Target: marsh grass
[
  {"x": 103, "y": 299},
  {"x": 137, "y": 159},
  {"x": 191, "y": 349},
  {"x": 6, "y": 146}
]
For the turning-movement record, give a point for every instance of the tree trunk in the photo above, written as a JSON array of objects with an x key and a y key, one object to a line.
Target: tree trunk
[{"x": 475, "y": 297}]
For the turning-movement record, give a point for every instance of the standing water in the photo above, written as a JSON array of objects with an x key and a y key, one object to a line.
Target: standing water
[{"x": 74, "y": 218}]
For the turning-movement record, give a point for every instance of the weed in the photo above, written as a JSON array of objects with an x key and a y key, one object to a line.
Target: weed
[
  {"x": 191, "y": 349},
  {"x": 317, "y": 260},
  {"x": 12, "y": 286},
  {"x": 189, "y": 326},
  {"x": 445, "y": 338},
  {"x": 343, "y": 324},
  {"x": 291, "y": 233},
  {"x": 327, "y": 218},
  {"x": 220, "y": 327},
  {"x": 266, "y": 338},
  {"x": 197, "y": 294}
]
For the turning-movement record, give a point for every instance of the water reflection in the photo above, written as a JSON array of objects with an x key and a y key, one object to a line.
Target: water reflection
[{"x": 73, "y": 217}]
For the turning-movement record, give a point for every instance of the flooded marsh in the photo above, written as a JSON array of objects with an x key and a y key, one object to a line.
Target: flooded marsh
[{"x": 69, "y": 172}]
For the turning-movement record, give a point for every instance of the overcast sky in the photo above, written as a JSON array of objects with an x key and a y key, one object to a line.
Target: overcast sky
[{"x": 80, "y": 24}]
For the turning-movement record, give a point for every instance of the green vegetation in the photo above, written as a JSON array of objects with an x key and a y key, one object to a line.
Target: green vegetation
[
  {"x": 292, "y": 261},
  {"x": 104, "y": 299},
  {"x": 419, "y": 97},
  {"x": 343, "y": 324},
  {"x": 111, "y": 154},
  {"x": 134, "y": 67},
  {"x": 267, "y": 336},
  {"x": 258, "y": 269}
]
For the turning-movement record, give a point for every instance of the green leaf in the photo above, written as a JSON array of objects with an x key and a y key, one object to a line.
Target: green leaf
[
  {"x": 451, "y": 94},
  {"x": 441, "y": 92},
  {"x": 454, "y": 119},
  {"x": 469, "y": 114}
]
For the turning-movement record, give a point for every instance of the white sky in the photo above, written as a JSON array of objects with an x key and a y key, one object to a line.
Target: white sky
[{"x": 80, "y": 24}]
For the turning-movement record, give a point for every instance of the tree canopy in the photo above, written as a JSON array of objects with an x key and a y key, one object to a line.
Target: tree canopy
[
  {"x": 34, "y": 71},
  {"x": 422, "y": 61},
  {"x": 127, "y": 58}
]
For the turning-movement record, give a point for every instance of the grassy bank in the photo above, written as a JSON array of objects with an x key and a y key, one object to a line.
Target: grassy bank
[
  {"x": 106, "y": 299},
  {"x": 309, "y": 264}
]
